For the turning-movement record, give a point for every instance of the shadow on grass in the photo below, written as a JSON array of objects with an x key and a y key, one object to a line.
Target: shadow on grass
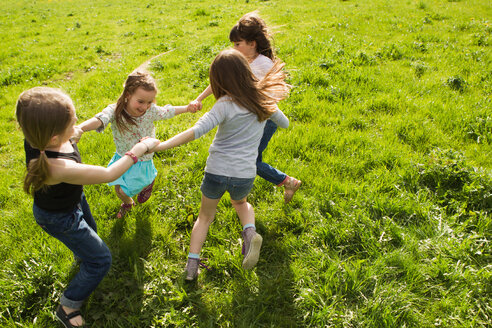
[
  {"x": 121, "y": 291},
  {"x": 262, "y": 297},
  {"x": 269, "y": 301}
]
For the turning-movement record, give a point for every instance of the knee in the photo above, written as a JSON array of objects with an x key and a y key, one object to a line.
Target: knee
[
  {"x": 98, "y": 264},
  {"x": 238, "y": 203},
  {"x": 205, "y": 219},
  {"x": 108, "y": 258},
  {"x": 106, "y": 261}
]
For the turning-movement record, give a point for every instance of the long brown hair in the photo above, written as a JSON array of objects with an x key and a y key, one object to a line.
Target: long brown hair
[
  {"x": 251, "y": 27},
  {"x": 134, "y": 81},
  {"x": 231, "y": 75},
  {"x": 42, "y": 114}
]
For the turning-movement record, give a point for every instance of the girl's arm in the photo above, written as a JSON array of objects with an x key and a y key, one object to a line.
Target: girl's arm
[
  {"x": 206, "y": 123},
  {"x": 89, "y": 125},
  {"x": 184, "y": 109},
  {"x": 279, "y": 118},
  {"x": 168, "y": 111},
  {"x": 177, "y": 140},
  {"x": 197, "y": 103},
  {"x": 83, "y": 174},
  {"x": 207, "y": 92}
]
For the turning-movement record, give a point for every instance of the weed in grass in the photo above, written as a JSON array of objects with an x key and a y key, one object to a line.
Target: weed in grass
[
  {"x": 201, "y": 12},
  {"x": 420, "y": 46},
  {"x": 427, "y": 20},
  {"x": 357, "y": 124},
  {"x": 161, "y": 47},
  {"x": 456, "y": 83},
  {"x": 460, "y": 189},
  {"x": 391, "y": 51},
  {"x": 419, "y": 69},
  {"x": 100, "y": 50},
  {"x": 480, "y": 40}
]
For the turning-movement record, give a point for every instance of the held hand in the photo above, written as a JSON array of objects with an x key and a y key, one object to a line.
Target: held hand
[
  {"x": 144, "y": 146},
  {"x": 150, "y": 143},
  {"x": 194, "y": 106},
  {"x": 77, "y": 134}
]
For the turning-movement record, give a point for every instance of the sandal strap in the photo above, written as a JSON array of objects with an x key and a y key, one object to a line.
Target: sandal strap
[{"x": 73, "y": 315}]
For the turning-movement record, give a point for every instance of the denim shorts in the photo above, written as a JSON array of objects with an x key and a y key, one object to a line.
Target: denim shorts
[{"x": 214, "y": 186}]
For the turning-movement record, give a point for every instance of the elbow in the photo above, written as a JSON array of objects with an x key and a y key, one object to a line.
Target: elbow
[
  {"x": 284, "y": 125},
  {"x": 194, "y": 134}
]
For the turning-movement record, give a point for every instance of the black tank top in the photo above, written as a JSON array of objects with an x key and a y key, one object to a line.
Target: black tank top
[{"x": 62, "y": 197}]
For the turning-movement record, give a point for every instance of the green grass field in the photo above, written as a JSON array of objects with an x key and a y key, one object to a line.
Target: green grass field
[{"x": 391, "y": 134}]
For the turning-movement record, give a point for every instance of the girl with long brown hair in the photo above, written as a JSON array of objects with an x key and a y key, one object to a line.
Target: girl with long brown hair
[
  {"x": 55, "y": 177},
  {"x": 243, "y": 105},
  {"x": 250, "y": 36},
  {"x": 133, "y": 117}
]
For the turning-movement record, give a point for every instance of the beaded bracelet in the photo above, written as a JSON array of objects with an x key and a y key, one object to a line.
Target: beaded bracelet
[{"x": 132, "y": 155}]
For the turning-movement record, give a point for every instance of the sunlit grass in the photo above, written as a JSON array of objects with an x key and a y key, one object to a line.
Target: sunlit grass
[{"x": 391, "y": 131}]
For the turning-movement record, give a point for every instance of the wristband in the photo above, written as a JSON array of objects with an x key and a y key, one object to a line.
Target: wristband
[{"x": 132, "y": 155}]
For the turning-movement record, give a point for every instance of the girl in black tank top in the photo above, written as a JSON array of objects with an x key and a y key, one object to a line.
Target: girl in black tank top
[
  {"x": 60, "y": 197},
  {"x": 55, "y": 176}
]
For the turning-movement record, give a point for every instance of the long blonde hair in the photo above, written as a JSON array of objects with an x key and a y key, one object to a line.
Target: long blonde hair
[
  {"x": 231, "y": 75},
  {"x": 42, "y": 114},
  {"x": 134, "y": 81}
]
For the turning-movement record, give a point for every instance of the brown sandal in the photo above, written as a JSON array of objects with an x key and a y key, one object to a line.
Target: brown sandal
[
  {"x": 145, "y": 194},
  {"x": 124, "y": 208}
]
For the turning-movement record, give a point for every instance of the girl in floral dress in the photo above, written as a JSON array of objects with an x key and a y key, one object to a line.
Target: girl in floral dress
[{"x": 132, "y": 118}]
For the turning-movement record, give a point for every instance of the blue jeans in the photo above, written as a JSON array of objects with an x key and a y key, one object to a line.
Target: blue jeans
[
  {"x": 77, "y": 230},
  {"x": 264, "y": 170}
]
